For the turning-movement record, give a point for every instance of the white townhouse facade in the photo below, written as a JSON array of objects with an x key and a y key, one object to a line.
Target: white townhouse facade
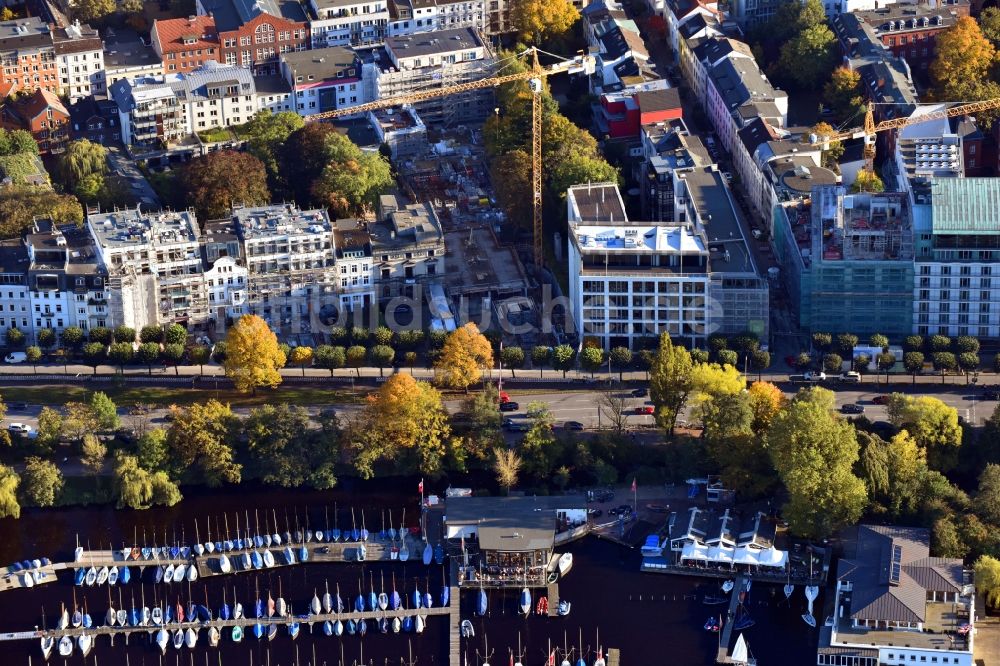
[
  {"x": 347, "y": 22},
  {"x": 80, "y": 61}
]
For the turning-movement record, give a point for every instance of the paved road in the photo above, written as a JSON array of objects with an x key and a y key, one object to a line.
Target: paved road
[{"x": 140, "y": 187}]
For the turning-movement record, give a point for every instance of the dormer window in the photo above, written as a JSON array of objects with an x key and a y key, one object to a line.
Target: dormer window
[{"x": 190, "y": 39}]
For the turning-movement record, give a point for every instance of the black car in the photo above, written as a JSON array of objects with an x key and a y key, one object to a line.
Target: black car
[
  {"x": 516, "y": 426},
  {"x": 621, "y": 510},
  {"x": 852, "y": 408},
  {"x": 639, "y": 393},
  {"x": 573, "y": 425},
  {"x": 509, "y": 406},
  {"x": 595, "y": 513},
  {"x": 991, "y": 394}
]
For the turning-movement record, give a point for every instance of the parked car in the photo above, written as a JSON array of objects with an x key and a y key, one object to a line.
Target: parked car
[
  {"x": 516, "y": 426},
  {"x": 851, "y": 377},
  {"x": 621, "y": 510},
  {"x": 509, "y": 406},
  {"x": 604, "y": 495},
  {"x": 644, "y": 409},
  {"x": 991, "y": 394},
  {"x": 595, "y": 513},
  {"x": 640, "y": 393},
  {"x": 852, "y": 408},
  {"x": 880, "y": 399},
  {"x": 573, "y": 425},
  {"x": 15, "y": 357},
  {"x": 20, "y": 428}
]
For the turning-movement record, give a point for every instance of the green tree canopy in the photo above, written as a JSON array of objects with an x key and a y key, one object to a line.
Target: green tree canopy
[
  {"x": 41, "y": 482},
  {"x": 352, "y": 180},
  {"x": 10, "y": 506},
  {"x": 669, "y": 382},
  {"x": 199, "y": 443}
]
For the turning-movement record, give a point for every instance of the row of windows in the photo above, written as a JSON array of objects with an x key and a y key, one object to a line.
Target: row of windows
[
  {"x": 982, "y": 331},
  {"x": 946, "y": 295},
  {"x": 962, "y": 270}
]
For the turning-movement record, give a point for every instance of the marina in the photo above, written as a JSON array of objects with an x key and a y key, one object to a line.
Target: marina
[{"x": 602, "y": 576}]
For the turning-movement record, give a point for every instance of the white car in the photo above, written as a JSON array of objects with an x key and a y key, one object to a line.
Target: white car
[
  {"x": 15, "y": 357},
  {"x": 20, "y": 428},
  {"x": 814, "y": 376},
  {"x": 851, "y": 377}
]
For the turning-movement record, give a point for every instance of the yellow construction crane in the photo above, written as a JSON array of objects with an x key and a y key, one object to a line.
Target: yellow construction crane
[
  {"x": 871, "y": 128},
  {"x": 533, "y": 75}
]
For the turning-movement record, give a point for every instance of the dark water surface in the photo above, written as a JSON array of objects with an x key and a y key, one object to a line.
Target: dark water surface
[{"x": 653, "y": 619}]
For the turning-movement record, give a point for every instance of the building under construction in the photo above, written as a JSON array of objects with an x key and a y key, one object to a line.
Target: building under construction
[{"x": 420, "y": 63}]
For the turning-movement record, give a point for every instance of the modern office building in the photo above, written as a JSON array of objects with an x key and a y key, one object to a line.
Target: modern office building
[
  {"x": 633, "y": 280},
  {"x": 347, "y": 22},
  {"x": 848, "y": 260},
  {"x": 955, "y": 290}
]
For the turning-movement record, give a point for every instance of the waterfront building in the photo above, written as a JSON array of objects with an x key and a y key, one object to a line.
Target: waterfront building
[
  {"x": 895, "y": 605},
  {"x": 509, "y": 540},
  {"x": 323, "y": 79},
  {"x": 347, "y": 22}
]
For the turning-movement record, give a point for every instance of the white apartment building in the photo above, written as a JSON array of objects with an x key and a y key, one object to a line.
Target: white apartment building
[
  {"x": 353, "y": 250},
  {"x": 413, "y": 63},
  {"x": 735, "y": 83},
  {"x": 149, "y": 113},
  {"x": 80, "y": 60},
  {"x": 408, "y": 17},
  {"x": 154, "y": 266},
  {"x": 956, "y": 291},
  {"x": 216, "y": 95},
  {"x": 634, "y": 280},
  {"x": 290, "y": 259},
  {"x": 323, "y": 79},
  {"x": 273, "y": 93},
  {"x": 15, "y": 304},
  {"x": 347, "y": 22},
  {"x": 226, "y": 275},
  {"x": 67, "y": 286}
]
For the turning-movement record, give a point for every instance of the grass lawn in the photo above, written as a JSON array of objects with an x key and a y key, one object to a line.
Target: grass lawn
[
  {"x": 216, "y": 134},
  {"x": 157, "y": 396}
]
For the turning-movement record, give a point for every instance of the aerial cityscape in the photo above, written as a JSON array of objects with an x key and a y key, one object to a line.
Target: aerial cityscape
[{"x": 510, "y": 332}]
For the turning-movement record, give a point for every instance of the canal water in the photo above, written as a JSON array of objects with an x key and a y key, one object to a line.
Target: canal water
[{"x": 653, "y": 619}]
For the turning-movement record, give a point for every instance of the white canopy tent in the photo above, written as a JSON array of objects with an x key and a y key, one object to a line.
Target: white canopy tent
[
  {"x": 721, "y": 554},
  {"x": 744, "y": 555},
  {"x": 694, "y": 551},
  {"x": 772, "y": 557}
]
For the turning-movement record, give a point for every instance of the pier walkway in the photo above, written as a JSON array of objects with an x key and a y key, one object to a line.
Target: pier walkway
[{"x": 727, "y": 628}]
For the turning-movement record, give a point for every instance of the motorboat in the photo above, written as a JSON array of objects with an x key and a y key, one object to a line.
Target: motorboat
[
  {"x": 28, "y": 580},
  {"x": 213, "y": 636},
  {"x": 102, "y": 575},
  {"x": 65, "y": 646},
  {"x": 727, "y": 587},
  {"x": 525, "y": 602},
  {"x": 565, "y": 563},
  {"x": 712, "y": 624},
  {"x": 564, "y": 607},
  {"x": 162, "y": 640},
  {"x": 168, "y": 574},
  {"x": 237, "y": 633},
  {"x": 122, "y": 617},
  {"x": 113, "y": 574},
  {"x": 91, "y": 577},
  {"x": 78, "y": 576},
  {"x": 47, "y": 644},
  {"x": 157, "y": 616},
  {"x": 467, "y": 629}
]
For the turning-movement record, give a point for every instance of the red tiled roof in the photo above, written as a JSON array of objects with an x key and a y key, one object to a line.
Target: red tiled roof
[
  {"x": 172, "y": 33},
  {"x": 40, "y": 100}
]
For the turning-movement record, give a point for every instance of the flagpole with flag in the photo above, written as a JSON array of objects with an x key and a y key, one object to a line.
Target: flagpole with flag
[{"x": 635, "y": 497}]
